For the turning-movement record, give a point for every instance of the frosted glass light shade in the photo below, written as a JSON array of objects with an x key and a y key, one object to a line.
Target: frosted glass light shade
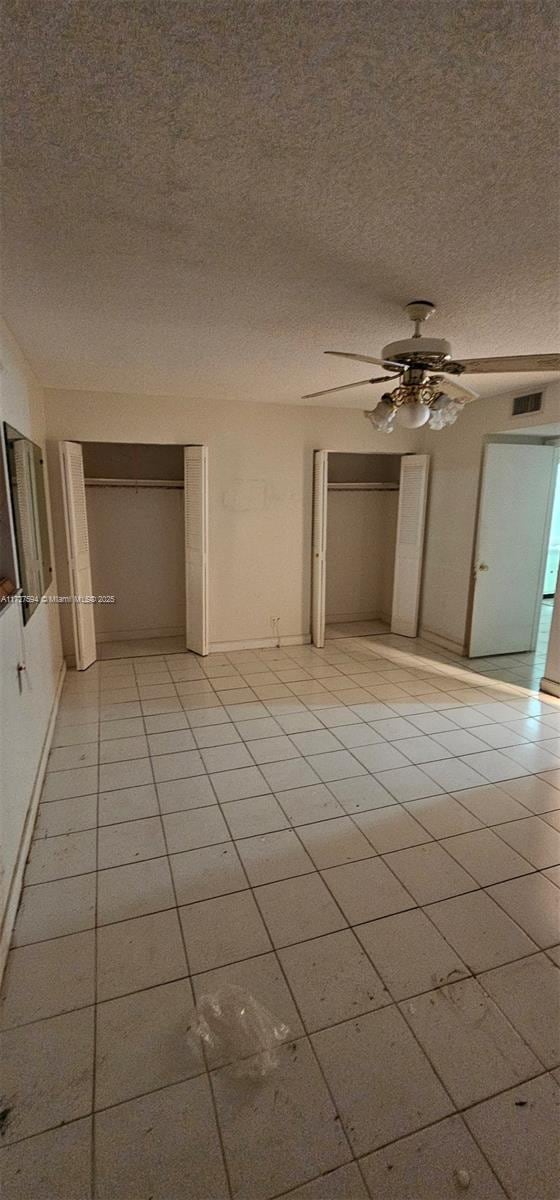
[{"x": 412, "y": 416}]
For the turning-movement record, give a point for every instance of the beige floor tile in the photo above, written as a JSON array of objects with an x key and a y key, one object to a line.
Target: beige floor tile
[
  {"x": 332, "y": 979},
  {"x": 128, "y": 804},
  {"x": 61, "y": 785},
  {"x": 331, "y": 843},
  {"x": 473, "y": 1048},
  {"x": 486, "y": 856},
  {"x": 266, "y": 1156},
  {"x": 134, "y": 890},
  {"x": 144, "y": 1042},
  {"x": 47, "y": 1073},
  {"x": 518, "y": 1134},
  {"x": 61, "y": 857},
  {"x": 537, "y": 841},
  {"x": 150, "y": 1146},
  {"x": 179, "y": 795},
  {"x": 381, "y": 1081},
  {"x": 223, "y": 930},
  {"x": 344, "y": 1182},
  {"x": 528, "y": 992},
  {"x": 207, "y": 872},
  {"x": 130, "y": 841},
  {"x": 123, "y": 749},
  {"x": 49, "y": 910},
  {"x": 65, "y": 757},
  {"x": 296, "y": 909},
  {"x": 197, "y": 827},
  {"x": 254, "y": 815},
  {"x": 442, "y": 816},
  {"x": 438, "y": 1162},
  {"x": 273, "y": 856},
  {"x": 534, "y": 903},
  {"x": 48, "y": 978},
  {"x": 366, "y": 890},
  {"x": 429, "y": 873},
  {"x": 410, "y": 954},
  {"x": 139, "y": 953},
  {"x": 391, "y": 828},
  {"x": 38, "y": 1168},
  {"x": 480, "y": 931},
  {"x": 66, "y": 816}
]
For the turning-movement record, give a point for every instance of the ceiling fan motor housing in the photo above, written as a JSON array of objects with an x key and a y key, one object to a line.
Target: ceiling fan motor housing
[{"x": 430, "y": 353}]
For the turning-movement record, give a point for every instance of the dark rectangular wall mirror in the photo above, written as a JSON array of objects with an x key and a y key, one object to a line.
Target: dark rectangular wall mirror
[{"x": 29, "y": 512}]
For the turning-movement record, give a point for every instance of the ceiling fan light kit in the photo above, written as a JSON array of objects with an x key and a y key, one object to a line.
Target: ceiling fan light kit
[{"x": 425, "y": 393}]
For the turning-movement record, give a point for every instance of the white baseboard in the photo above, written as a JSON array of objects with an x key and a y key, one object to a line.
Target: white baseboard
[
  {"x": 550, "y": 686},
  {"x": 427, "y": 635},
  {"x": 132, "y": 635},
  {"x": 348, "y": 618},
  {"x": 297, "y": 639},
  {"x": 16, "y": 883}
]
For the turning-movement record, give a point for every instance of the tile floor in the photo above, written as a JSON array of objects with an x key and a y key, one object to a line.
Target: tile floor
[
  {"x": 524, "y": 669},
  {"x": 366, "y": 839}
]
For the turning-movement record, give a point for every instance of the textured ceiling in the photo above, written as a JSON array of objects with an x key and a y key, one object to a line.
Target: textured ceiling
[{"x": 201, "y": 197}]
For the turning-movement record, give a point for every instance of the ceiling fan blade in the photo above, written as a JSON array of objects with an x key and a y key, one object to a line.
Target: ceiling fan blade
[
  {"x": 515, "y": 362},
  {"x": 379, "y": 362},
  {"x": 455, "y": 391},
  {"x": 344, "y": 386}
]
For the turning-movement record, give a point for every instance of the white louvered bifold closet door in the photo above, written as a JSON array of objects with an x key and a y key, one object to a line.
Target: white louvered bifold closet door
[
  {"x": 77, "y": 543},
  {"x": 413, "y": 496},
  {"x": 319, "y": 548},
  {"x": 196, "y": 548}
]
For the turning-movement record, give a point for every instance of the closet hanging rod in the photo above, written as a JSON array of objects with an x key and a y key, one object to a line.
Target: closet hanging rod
[
  {"x": 135, "y": 483},
  {"x": 363, "y": 487}
]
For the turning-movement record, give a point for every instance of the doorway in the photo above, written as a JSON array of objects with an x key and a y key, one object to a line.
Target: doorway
[
  {"x": 135, "y": 505},
  {"x": 512, "y": 540},
  {"x": 136, "y": 518},
  {"x": 367, "y": 545}
]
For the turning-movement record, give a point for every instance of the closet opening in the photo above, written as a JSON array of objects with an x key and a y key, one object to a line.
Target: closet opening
[
  {"x": 136, "y": 518},
  {"x": 135, "y": 506},
  {"x": 368, "y": 536}
]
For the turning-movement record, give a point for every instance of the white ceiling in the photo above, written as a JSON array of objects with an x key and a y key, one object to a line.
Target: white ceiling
[{"x": 201, "y": 197}]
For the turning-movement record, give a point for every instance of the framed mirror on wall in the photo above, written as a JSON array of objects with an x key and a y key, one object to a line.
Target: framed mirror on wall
[
  {"x": 29, "y": 515},
  {"x": 8, "y": 567}
]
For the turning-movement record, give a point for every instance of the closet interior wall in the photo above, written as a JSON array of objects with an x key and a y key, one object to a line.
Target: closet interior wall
[
  {"x": 135, "y": 508},
  {"x": 363, "y": 493}
]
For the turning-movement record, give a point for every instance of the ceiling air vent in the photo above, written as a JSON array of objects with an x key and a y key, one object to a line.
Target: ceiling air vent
[{"x": 527, "y": 404}]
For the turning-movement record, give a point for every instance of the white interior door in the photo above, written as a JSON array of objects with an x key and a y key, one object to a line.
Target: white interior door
[
  {"x": 196, "y": 548},
  {"x": 514, "y": 515},
  {"x": 319, "y": 548},
  {"x": 409, "y": 550},
  {"x": 77, "y": 544}
]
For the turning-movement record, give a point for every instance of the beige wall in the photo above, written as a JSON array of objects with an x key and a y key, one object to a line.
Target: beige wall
[
  {"x": 361, "y": 534},
  {"x": 25, "y": 713},
  {"x": 456, "y": 457},
  {"x": 260, "y": 472}
]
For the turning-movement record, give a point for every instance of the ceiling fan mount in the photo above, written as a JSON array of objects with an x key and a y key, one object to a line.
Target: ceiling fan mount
[
  {"x": 418, "y": 352},
  {"x": 422, "y": 366}
]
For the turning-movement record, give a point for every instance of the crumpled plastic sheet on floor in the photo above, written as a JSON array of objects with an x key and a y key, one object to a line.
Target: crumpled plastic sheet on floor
[{"x": 233, "y": 1024}]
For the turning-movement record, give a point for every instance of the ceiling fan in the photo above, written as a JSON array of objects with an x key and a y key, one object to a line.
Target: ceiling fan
[{"x": 425, "y": 392}]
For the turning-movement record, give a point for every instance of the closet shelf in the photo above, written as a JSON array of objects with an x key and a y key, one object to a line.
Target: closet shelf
[
  {"x": 363, "y": 487},
  {"x": 135, "y": 483}
]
